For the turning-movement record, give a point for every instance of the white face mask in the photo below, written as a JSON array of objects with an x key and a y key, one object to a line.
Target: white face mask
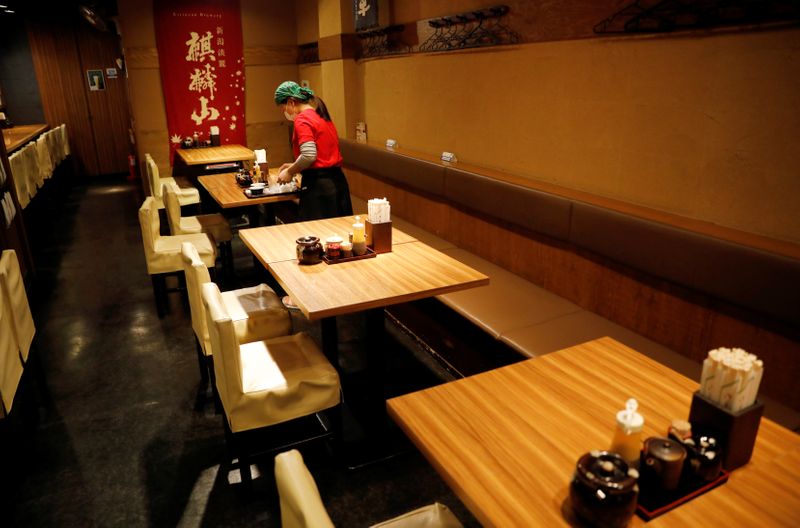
[{"x": 288, "y": 116}]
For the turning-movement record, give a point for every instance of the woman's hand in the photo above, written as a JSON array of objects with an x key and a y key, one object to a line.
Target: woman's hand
[
  {"x": 284, "y": 176},
  {"x": 284, "y": 167}
]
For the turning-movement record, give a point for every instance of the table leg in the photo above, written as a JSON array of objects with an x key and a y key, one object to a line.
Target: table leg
[
  {"x": 269, "y": 214},
  {"x": 330, "y": 341},
  {"x": 377, "y": 345}
]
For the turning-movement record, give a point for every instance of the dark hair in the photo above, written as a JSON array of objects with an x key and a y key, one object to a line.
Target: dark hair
[
  {"x": 317, "y": 102},
  {"x": 322, "y": 110}
]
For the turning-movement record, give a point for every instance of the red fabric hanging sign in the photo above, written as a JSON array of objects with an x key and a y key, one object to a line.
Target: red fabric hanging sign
[{"x": 200, "y": 53}]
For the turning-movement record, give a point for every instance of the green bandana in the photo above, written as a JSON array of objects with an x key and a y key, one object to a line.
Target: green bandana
[{"x": 289, "y": 89}]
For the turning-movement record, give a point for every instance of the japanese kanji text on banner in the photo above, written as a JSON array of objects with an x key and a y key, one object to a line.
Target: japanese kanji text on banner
[{"x": 200, "y": 53}]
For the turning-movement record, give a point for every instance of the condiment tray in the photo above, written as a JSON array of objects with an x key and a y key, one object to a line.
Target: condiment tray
[
  {"x": 369, "y": 254},
  {"x": 654, "y": 503}
]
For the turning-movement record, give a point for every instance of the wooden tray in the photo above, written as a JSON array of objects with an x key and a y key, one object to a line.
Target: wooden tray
[{"x": 369, "y": 254}]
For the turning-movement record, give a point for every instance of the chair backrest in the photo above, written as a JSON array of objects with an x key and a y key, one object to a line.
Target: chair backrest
[
  {"x": 169, "y": 193},
  {"x": 224, "y": 347},
  {"x": 150, "y": 225},
  {"x": 10, "y": 362},
  {"x": 153, "y": 178},
  {"x": 301, "y": 504},
  {"x": 196, "y": 275},
  {"x": 16, "y": 300}
]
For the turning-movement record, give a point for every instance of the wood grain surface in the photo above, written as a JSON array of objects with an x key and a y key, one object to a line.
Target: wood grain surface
[
  {"x": 20, "y": 134},
  {"x": 221, "y": 154},
  {"x": 62, "y": 83},
  {"x": 278, "y": 243},
  {"x": 409, "y": 272},
  {"x": 228, "y": 194},
  {"x": 506, "y": 441}
]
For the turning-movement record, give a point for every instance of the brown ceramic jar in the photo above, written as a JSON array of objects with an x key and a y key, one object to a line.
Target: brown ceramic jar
[
  {"x": 603, "y": 491},
  {"x": 309, "y": 250}
]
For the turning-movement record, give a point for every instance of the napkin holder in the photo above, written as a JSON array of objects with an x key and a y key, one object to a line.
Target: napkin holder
[
  {"x": 379, "y": 236},
  {"x": 735, "y": 432}
]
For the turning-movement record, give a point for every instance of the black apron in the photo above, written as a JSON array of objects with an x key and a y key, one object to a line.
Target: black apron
[{"x": 325, "y": 195}]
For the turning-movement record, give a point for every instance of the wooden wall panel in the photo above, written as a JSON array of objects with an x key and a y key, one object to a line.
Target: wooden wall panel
[
  {"x": 108, "y": 109},
  {"x": 62, "y": 85},
  {"x": 685, "y": 321}
]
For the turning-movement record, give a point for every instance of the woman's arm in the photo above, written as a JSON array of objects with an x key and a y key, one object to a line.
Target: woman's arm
[{"x": 308, "y": 155}]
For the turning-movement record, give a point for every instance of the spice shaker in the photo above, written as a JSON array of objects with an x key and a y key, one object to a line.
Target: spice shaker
[{"x": 627, "y": 439}]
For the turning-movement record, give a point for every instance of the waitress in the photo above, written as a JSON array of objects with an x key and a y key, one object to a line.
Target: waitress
[{"x": 315, "y": 143}]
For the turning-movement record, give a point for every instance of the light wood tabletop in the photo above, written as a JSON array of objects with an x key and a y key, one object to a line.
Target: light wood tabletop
[
  {"x": 274, "y": 245},
  {"x": 506, "y": 441},
  {"x": 228, "y": 194},
  {"x": 210, "y": 155},
  {"x": 411, "y": 271},
  {"x": 19, "y": 135}
]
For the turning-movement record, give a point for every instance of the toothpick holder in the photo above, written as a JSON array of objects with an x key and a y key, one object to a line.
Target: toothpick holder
[
  {"x": 735, "y": 431},
  {"x": 379, "y": 236}
]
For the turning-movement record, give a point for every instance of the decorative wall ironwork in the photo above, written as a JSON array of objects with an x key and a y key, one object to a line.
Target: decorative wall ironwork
[
  {"x": 658, "y": 16},
  {"x": 308, "y": 53},
  {"x": 382, "y": 41},
  {"x": 470, "y": 30}
]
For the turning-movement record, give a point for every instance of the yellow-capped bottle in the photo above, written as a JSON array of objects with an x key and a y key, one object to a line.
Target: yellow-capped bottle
[{"x": 627, "y": 440}]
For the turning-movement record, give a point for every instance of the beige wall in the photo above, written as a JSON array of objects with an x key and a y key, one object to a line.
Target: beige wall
[
  {"x": 270, "y": 35},
  {"x": 307, "y": 21},
  {"x": 704, "y": 127}
]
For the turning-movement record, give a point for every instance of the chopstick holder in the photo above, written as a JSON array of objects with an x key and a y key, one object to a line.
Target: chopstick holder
[
  {"x": 379, "y": 236},
  {"x": 735, "y": 431}
]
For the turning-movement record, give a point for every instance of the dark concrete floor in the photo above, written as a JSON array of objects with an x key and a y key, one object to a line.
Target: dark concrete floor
[{"x": 115, "y": 437}]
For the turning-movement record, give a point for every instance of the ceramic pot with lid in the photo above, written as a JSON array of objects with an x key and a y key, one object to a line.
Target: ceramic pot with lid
[
  {"x": 604, "y": 489},
  {"x": 662, "y": 463},
  {"x": 309, "y": 250}
]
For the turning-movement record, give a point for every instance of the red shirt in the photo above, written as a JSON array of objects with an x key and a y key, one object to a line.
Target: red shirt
[{"x": 309, "y": 126}]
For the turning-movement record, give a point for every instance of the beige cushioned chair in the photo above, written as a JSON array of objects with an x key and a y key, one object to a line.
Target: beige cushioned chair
[
  {"x": 302, "y": 507},
  {"x": 16, "y": 299},
  {"x": 264, "y": 383},
  {"x": 186, "y": 196},
  {"x": 214, "y": 225},
  {"x": 163, "y": 253},
  {"x": 256, "y": 312},
  {"x": 10, "y": 360}
]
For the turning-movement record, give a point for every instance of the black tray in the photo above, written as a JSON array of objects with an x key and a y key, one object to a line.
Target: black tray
[
  {"x": 368, "y": 254},
  {"x": 656, "y": 503}
]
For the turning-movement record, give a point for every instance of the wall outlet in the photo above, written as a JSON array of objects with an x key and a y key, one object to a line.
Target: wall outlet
[{"x": 390, "y": 143}]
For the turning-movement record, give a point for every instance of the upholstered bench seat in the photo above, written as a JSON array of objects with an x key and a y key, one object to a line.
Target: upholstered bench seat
[{"x": 507, "y": 302}]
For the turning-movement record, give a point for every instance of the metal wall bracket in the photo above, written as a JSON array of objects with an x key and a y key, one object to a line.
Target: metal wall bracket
[
  {"x": 660, "y": 16},
  {"x": 470, "y": 30}
]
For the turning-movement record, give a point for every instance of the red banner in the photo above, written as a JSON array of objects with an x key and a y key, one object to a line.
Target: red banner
[{"x": 201, "y": 56}]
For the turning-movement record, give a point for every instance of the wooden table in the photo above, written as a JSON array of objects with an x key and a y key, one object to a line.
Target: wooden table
[
  {"x": 213, "y": 155},
  {"x": 228, "y": 194},
  {"x": 19, "y": 135},
  {"x": 276, "y": 245},
  {"x": 412, "y": 270},
  {"x": 506, "y": 441}
]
